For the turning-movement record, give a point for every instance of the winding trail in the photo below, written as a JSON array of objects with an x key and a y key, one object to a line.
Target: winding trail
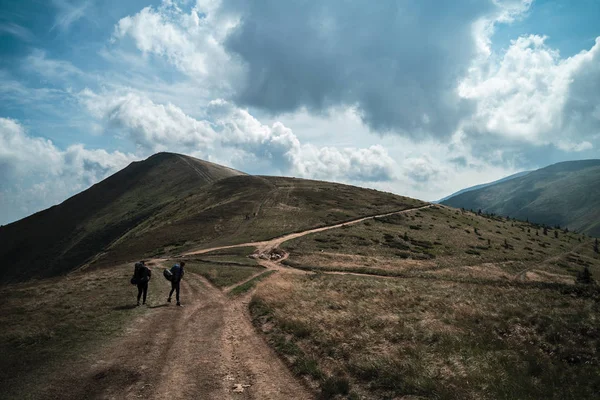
[
  {"x": 268, "y": 245},
  {"x": 207, "y": 349}
]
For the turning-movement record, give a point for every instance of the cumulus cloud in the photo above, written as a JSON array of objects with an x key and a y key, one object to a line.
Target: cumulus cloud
[
  {"x": 189, "y": 41},
  {"x": 225, "y": 127},
  {"x": 398, "y": 63},
  {"x": 534, "y": 96},
  {"x": 35, "y": 174}
]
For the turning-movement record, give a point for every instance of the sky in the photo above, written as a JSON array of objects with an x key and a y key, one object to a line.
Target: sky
[{"x": 417, "y": 97}]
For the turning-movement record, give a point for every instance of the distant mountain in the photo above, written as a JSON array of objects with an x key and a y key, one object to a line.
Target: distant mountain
[
  {"x": 469, "y": 189},
  {"x": 565, "y": 194},
  {"x": 169, "y": 203}
]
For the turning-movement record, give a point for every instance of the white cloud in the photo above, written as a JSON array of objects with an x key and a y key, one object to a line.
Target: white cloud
[
  {"x": 189, "y": 41},
  {"x": 226, "y": 127},
  {"x": 16, "y": 30},
  {"x": 52, "y": 69},
  {"x": 68, "y": 13},
  {"x": 35, "y": 174},
  {"x": 526, "y": 96}
]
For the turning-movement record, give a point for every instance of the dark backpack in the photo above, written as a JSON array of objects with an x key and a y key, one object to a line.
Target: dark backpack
[{"x": 141, "y": 274}]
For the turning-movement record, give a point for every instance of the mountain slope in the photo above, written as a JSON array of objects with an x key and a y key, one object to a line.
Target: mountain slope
[
  {"x": 169, "y": 203},
  {"x": 563, "y": 194},
  {"x": 469, "y": 189},
  {"x": 63, "y": 236}
]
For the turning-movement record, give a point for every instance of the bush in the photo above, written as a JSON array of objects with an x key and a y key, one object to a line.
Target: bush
[{"x": 334, "y": 385}]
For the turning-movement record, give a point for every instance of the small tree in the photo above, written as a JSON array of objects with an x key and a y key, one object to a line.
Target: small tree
[
  {"x": 405, "y": 237},
  {"x": 475, "y": 229},
  {"x": 537, "y": 233},
  {"x": 556, "y": 234},
  {"x": 596, "y": 249},
  {"x": 489, "y": 243},
  {"x": 505, "y": 244},
  {"x": 545, "y": 230}
]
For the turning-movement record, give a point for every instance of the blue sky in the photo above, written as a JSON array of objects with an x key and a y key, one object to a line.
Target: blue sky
[{"x": 419, "y": 98}]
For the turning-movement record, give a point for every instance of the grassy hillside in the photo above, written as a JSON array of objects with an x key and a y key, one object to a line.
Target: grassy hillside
[
  {"x": 169, "y": 203},
  {"x": 250, "y": 208},
  {"x": 564, "y": 194},
  {"x": 65, "y": 236},
  {"x": 438, "y": 303},
  {"x": 483, "y": 185}
]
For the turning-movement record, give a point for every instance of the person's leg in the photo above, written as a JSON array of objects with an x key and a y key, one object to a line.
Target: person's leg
[
  {"x": 171, "y": 292},
  {"x": 145, "y": 289},
  {"x": 140, "y": 289},
  {"x": 177, "y": 293}
]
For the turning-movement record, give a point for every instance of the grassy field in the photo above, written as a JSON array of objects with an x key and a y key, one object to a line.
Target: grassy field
[
  {"x": 223, "y": 275},
  {"x": 50, "y": 322},
  {"x": 224, "y": 268},
  {"x": 247, "y": 286},
  {"x": 446, "y": 242},
  {"x": 372, "y": 338},
  {"x": 233, "y": 256},
  {"x": 244, "y": 209},
  {"x": 466, "y": 307}
]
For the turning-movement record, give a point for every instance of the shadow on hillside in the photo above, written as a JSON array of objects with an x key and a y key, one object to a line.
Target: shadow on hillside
[
  {"x": 159, "y": 306},
  {"x": 127, "y": 307}
]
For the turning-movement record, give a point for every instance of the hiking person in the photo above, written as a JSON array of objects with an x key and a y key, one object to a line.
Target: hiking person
[
  {"x": 142, "y": 275},
  {"x": 177, "y": 271}
]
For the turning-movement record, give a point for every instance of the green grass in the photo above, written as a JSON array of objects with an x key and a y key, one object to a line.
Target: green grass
[
  {"x": 49, "y": 323},
  {"x": 388, "y": 338},
  {"x": 449, "y": 242},
  {"x": 246, "y": 286},
  {"x": 222, "y": 275},
  {"x": 236, "y": 255}
]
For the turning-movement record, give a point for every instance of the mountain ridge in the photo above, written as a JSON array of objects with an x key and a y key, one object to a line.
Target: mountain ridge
[
  {"x": 171, "y": 202},
  {"x": 562, "y": 194}
]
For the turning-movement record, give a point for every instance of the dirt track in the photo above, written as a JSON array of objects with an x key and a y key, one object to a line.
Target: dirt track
[{"x": 207, "y": 349}]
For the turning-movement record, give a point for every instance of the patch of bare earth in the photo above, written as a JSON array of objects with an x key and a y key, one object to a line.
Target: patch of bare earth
[{"x": 206, "y": 349}]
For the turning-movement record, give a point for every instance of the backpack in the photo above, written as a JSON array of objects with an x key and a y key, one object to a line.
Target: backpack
[
  {"x": 168, "y": 274},
  {"x": 134, "y": 279},
  {"x": 176, "y": 272},
  {"x": 141, "y": 274}
]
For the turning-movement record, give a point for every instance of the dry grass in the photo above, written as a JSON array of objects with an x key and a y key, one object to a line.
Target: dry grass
[
  {"x": 471, "y": 307},
  {"x": 47, "y": 323},
  {"x": 388, "y": 338},
  {"x": 223, "y": 275},
  {"x": 448, "y": 242}
]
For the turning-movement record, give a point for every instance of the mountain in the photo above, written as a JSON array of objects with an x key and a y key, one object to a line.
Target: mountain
[
  {"x": 564, "y": 194},
  {"x": 169, "y": 203},
  {"x": 469, "y": 189}
]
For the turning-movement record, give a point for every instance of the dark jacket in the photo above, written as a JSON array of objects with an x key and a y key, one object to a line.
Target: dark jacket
[
  {"x": 142, "y": 274},
  {"x": 177, "y": 271}
]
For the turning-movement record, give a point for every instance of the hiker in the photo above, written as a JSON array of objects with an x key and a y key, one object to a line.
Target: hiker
[
  {"x": 142, "y": 275},
  {"x": 177, "y": 271}
]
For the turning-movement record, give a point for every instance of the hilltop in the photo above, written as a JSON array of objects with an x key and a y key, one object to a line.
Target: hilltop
[
  {"x": 169, "y": 203},
  {"x": 564, "y": 194}
]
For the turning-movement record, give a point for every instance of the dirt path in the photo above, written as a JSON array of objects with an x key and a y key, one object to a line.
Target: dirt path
[
  {"x": 207, "y": 349},
  {"x": 267, "y": 245}
]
